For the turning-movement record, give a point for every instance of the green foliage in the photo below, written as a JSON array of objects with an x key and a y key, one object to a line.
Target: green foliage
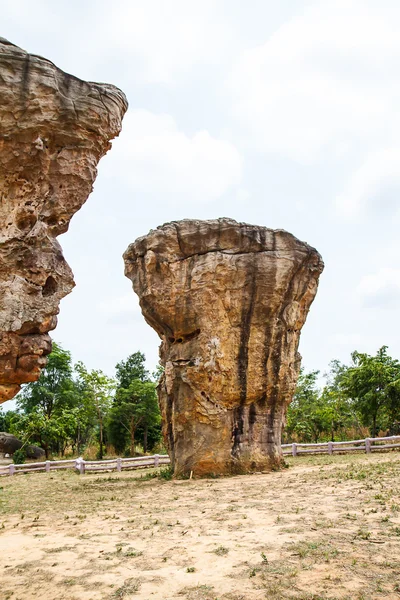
[
  {"x": 373, "y": 383},
  {"x": 38, "y": 428},
  {"x": 46, "y": 408},
  {"x": 365, "y": 393},
  {"x": 64, "y": 407},
  {"x": 131, "y": 368},
  {"x": 55, "y": 388},
  {"x": 166, "y": 474},
  {"x": 19, "y": 457},
  {"x": 6, "y": 419},
  {"x": 69, "y": 405},
  {"x": 96, "y": 392},
  {"x": 134, "y": 407},
  {"x": 305, "y": 416},
  {"x": 316, "y": 415},
  {"x": 156, "y": 375},
  {"x": 2, "y": 420},
  {"x": 135, "y": 415}
]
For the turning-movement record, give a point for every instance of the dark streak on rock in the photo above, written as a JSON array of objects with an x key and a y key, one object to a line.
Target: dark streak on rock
[
  {"x": 25, "y": 76},
  {"x": 243, "y": 360}
]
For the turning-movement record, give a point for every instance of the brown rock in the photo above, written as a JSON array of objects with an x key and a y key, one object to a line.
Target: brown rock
[
  {"x": 54, "y": 128},
  {"x": 228, "y": 301}
]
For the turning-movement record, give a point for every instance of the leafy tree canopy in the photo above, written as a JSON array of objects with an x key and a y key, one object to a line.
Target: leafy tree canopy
[
  {"x": 55, "y": 389},
  {"x": 135, "y": 411},
  {"x": 373, "y": 383},
  {"x": 130, "y": 369}
]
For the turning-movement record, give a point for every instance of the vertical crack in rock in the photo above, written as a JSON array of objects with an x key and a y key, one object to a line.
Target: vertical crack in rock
[
  {"x": 228, "y": 301},
  {"x": 54, "y": 128}
]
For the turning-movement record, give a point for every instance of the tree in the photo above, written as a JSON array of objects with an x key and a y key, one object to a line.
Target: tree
[
  {"x": 135, "y": 413},
  {"x": 45, "y": 405},
  {"x": 2, "y": 420},
  {"x": 339, "y": 409},
  {"x": 96, "y": 389},
  {"x": 306, "y": 417},
  {"x": 339, "y": 414},
  {"x": 373, "y": 383},
  {"x": 131, "y": 368},
  {"x": 47, "y": 432},
  {"x": 6, "y": 419},
  {"x": 55, "y": 388},
  {"x": 136, "y": 406},
  {"x": 156, "y": 375}
]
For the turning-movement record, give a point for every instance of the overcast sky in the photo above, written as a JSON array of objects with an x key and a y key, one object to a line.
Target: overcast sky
[{"x": 283, "y": 114}]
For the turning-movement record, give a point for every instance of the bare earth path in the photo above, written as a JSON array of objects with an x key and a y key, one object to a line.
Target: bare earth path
[{"x": 326, "y": 528}]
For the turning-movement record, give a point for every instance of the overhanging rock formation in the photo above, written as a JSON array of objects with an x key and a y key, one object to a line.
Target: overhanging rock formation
[
  {"x": 228, "y": 301},
  {"x": 54, "y": 128}
]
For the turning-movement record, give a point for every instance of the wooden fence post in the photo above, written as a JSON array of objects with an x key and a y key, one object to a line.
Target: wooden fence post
[
  {"x": 80, "y": 465},
  {"x": 47, "y": 466},
  {"x": 367, "y": 445},
  {"x": 119, "y": 465},
  {"x": 156, "y": 460},
  {"x": 330, "y": 447},
  {"x": 11, "y": 469},
  {"x": 294, "y": 449}
]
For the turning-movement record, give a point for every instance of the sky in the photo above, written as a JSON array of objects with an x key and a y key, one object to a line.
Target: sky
[{"x": 283, "y": 114}]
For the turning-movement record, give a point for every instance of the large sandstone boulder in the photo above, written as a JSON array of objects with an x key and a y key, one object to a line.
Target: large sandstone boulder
[
  {"x": 228, "y": 301},
  {"x": 54, "y": 128},
  {"x": 9, "y": 444}
]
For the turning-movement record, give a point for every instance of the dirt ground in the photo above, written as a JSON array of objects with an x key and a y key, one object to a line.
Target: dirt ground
[{"x": 325, "y": 528}]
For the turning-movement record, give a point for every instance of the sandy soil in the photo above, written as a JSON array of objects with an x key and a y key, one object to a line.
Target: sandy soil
[{"x": 324, "y": 528}]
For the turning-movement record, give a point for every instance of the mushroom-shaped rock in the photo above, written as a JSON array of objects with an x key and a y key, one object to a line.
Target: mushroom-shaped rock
[
  {"x": 228, "y": 301},
  {"x": 54, "y": 128}
]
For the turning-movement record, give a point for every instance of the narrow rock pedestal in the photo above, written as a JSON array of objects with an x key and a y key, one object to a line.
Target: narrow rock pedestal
[{"x": 228, "y": 301}]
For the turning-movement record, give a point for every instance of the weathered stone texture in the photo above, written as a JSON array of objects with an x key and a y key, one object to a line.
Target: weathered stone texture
[
  {"x": 9, "y": 444},
  {"x": 228, "y": 301},
  {"x": 54, "y": 128}
]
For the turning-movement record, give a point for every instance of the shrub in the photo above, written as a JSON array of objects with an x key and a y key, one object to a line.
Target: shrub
[{"x": 19, "y": 456}]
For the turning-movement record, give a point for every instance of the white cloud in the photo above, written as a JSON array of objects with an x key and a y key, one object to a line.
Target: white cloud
[
  {"x": 166, "y": 38},
  {"x": 381, "y": 289},
  {"x": 153, "y": 41},
  {"x": 369, "y": 184},
  {"x": 324, "y": 80},
  {"x": 153, "y": 156}
]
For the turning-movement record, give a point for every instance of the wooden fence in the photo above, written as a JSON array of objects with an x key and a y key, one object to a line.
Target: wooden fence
[
  {"x": 368, "y": 445},
  {"x": 119, "y": 464},
  {"x": 87, "y": 466}
]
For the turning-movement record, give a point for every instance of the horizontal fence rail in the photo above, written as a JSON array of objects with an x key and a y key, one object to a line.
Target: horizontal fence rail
[
  {"x": 88, "y": 466},
  {"x": 368, "y": 445}
]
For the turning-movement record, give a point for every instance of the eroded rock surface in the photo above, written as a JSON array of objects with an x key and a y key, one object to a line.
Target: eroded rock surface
[
  {"x": 54, "y": 128},
  {"x": 228, "y": 301},
  {"x": 9, "y": 444}
]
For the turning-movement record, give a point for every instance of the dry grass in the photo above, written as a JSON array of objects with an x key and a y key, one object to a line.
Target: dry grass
[{"x": 327, "y": 528}]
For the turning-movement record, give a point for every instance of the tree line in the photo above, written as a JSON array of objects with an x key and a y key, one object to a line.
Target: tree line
[
  {"x": 71, "y": 407},
  {"x": 358, "y": 400}
]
